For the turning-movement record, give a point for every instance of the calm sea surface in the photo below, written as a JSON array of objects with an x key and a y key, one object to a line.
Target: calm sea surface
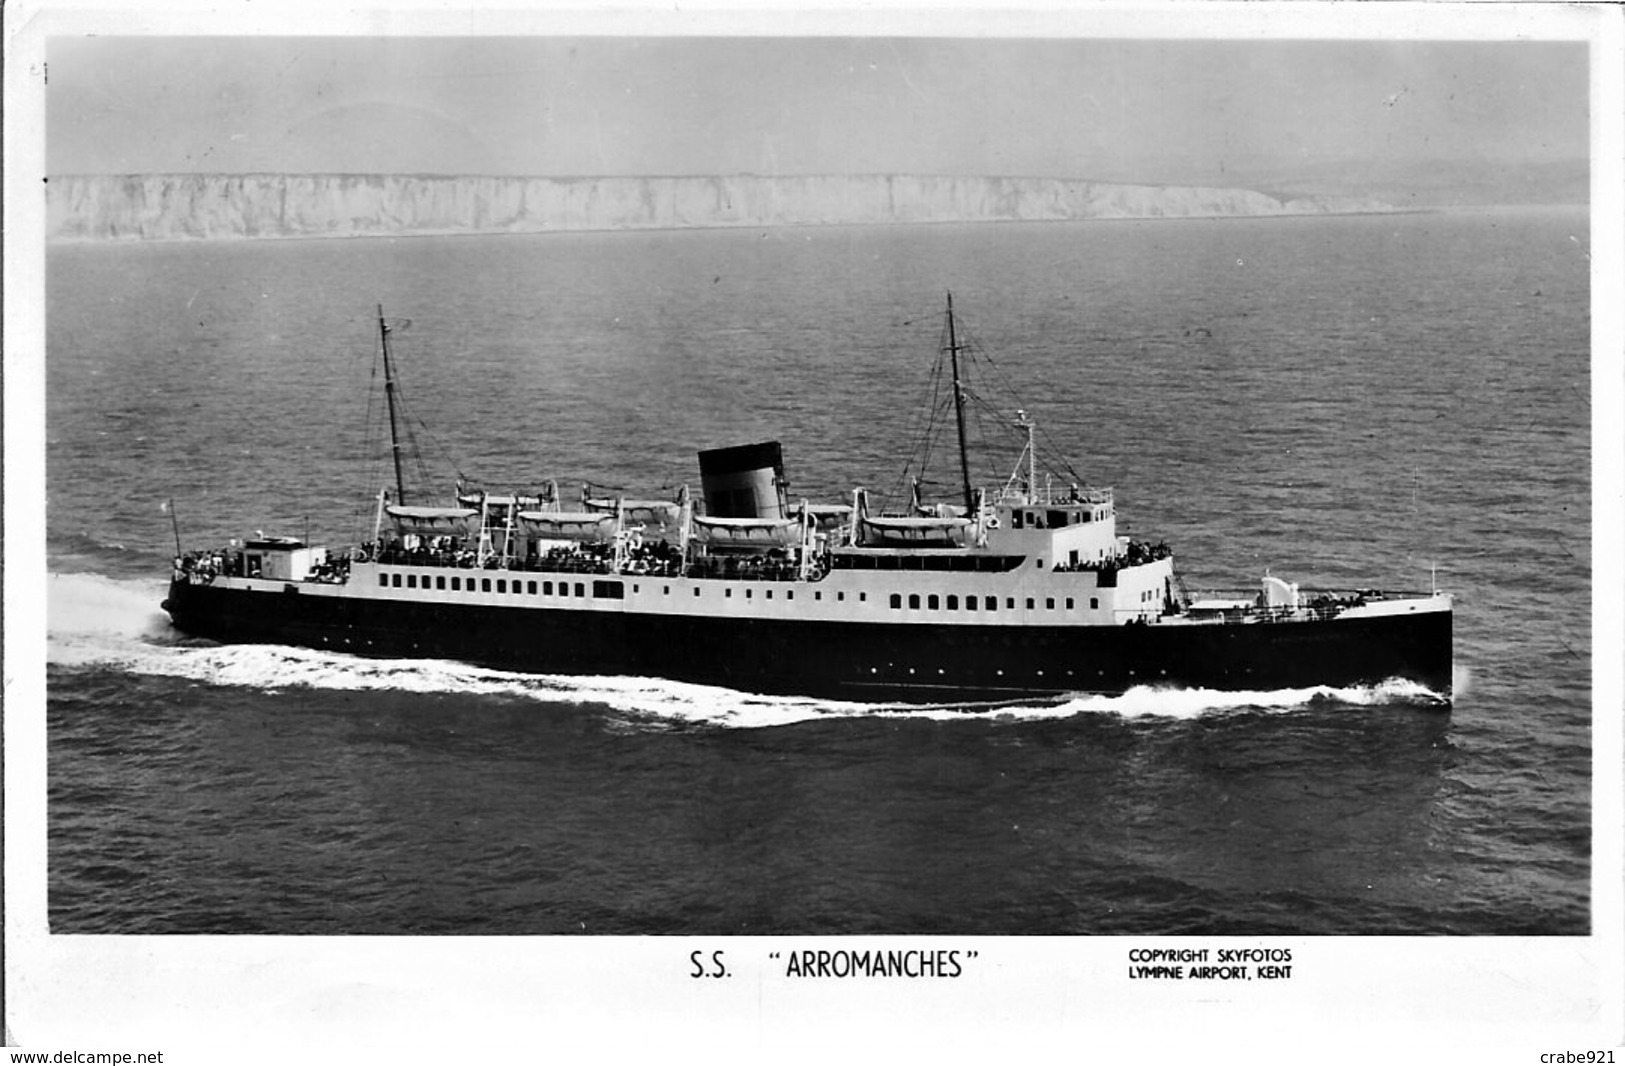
[{"x": 1346, "y": 402}]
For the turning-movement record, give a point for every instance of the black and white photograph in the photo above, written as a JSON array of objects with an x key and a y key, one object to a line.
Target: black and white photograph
[{"x": 542, "y": 529}]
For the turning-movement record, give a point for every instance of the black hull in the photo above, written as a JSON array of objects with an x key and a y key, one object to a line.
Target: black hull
[{"x": 839, "y": 660}]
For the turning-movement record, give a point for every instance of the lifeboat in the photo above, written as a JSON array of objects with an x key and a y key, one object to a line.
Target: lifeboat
[
  {"x": 433, "y": 521},
  {"x": 639, "y": 512},
  {"x": 584, "y": 526},
  {"x": 914, "y": 532},
  {"x": 747, "y": 532}
]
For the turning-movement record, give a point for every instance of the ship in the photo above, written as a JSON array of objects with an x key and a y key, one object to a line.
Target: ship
[{"x": 1015, "y": 592}]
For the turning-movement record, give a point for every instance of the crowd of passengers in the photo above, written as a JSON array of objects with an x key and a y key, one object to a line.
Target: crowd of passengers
[
  {"x": 776, "y": 565},
  {"x": 1327, "y": 605},
  {"x": 454, "y": 552},
  {"x": 334, "y": 570},
  {"x": 656, "y": 558},
  {"x": 206, "y": 566},
  {"x": 1137, "y": 553}
]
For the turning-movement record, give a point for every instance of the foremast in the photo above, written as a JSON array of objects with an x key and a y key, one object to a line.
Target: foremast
[{"x": 389, "y": 398}]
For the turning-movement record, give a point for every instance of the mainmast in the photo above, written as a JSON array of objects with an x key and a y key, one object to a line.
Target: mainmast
[
  {"x": 389, "y": 396},
  {"x": 959, "y": 409}
]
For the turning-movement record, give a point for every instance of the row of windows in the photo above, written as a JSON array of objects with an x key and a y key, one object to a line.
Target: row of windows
[
  {"x": 987, "y": 603},
  {"x": 1055, "y": 519},
  {"x": 982, "y": 564},
  {"x": 601, "y": 589},
  {"x": 615, "y": 590}
]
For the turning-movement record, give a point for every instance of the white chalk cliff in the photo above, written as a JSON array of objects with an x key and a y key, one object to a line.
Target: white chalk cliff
[{"x": 228, "y": 206}]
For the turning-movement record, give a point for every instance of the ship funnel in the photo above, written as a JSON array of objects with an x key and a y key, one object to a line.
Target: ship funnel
[{"x": 745, "y": 481}]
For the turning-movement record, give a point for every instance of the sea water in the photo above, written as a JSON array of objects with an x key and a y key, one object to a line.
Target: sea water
[{"x": 1379, "y": 401}]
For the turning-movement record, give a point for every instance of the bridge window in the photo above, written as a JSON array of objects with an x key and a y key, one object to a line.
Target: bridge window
[
  {"x": 383, "y": 581},
  {"x": 896, "y": 601},
  {"x": 992, "y": 603},
  {"x": 502, "y": 585},
  {"x": 1069, "y": 603},
  {"x": 1094, "y": 603},
  {"x": 395, "y": 581},
  {"x": 530, "y": 587},
  {"x": 485, "y": 584},
  {"x": 411, "y": 581},
  {"x": 728, "y": 593},
  {"x": 581, "y": 590},
  {"x": 609, "y": 590},
  {"x": 863, "y": 597},
  {"x": 1049, "y": 603},
  {"x": 789, "y": 594},
  {"x": 1030, "y": 603},
  {"x": 1015, "y": 519},
  {"x": 696, "y": 590},
  {"x": 1009, "y": 603},
  {"x": 914, "y": 601},
  {"x": 456, "y": 584},
  {"x": 547, "y": 588},
  {"x": 931, "y": 602},
  {"x": 970, "y": 603},
  {"x": 748, "y": 594},
  {"x": 953, "y": 603}
]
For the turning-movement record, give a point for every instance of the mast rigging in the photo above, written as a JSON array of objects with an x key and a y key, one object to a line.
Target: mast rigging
[{"x": 959, "y": 408}]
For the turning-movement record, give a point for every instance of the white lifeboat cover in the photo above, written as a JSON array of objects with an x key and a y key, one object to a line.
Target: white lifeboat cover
[
  {"x": 922, "y": 530},
  {"x": 568, "y": 525},
  {"x": 658, "y": 512},
  {"x": 760, "y": 532},
  {"x": 431, "y": 519}
]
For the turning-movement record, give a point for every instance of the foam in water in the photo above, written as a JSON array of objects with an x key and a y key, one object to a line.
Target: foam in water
[
  {"x": 96, "y": 620},
  {"x": 89, "y": 616}
]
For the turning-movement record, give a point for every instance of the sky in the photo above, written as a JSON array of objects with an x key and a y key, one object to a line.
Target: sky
[{"x": 1160, "y": 110}]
